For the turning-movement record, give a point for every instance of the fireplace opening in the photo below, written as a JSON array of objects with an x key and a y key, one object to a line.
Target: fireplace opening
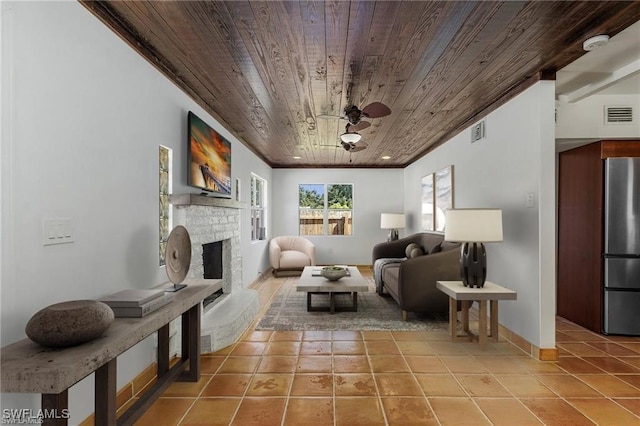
[{"x": 212, "y": 264}]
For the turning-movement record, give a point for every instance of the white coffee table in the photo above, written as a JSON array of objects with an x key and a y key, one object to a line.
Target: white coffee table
[{"x": 313, "y": 283}]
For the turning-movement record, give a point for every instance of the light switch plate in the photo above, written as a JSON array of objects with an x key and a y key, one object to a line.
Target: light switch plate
[{"x": 57, "y": 231}]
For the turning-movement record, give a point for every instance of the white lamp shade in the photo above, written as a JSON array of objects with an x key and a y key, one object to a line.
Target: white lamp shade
[
  {"x": 392, "y": 221},
  {"x": 350, "y": 137},
  {"x": 473, "y": 225}
]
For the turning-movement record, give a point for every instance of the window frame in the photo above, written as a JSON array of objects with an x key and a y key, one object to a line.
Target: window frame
[
  {"x": 326, "y": 210},
  {"x": 258, "y": 207}
]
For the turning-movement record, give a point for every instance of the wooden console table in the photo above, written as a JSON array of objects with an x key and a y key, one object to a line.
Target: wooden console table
[
  {"x": 27, "y": 367},
  {"x": 492, "y": 292}
]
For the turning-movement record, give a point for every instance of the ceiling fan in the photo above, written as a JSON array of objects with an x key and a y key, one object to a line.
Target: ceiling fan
[{"x": 354, "y": 115}]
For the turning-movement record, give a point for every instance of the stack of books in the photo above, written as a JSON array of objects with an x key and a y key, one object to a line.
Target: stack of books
[{"x": 136, "y": 303}]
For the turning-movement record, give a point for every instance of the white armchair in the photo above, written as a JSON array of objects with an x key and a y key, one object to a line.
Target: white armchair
[{"x": 291, "y": 253}]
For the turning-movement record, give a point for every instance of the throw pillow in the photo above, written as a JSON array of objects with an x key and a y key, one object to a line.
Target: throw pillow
[
  {"x": 436, "y": 249},
  {"x": 416, "y": 252},
  {"x": 410, "y": 247}
]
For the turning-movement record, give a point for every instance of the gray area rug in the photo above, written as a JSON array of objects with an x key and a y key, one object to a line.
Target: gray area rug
[{"x": 288, "y": 311}]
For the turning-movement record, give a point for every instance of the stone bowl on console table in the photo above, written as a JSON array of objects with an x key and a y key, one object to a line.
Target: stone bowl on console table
[{"x": 69, "y": 323}]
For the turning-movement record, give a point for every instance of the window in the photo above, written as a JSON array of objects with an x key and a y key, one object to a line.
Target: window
[
  {"x": 164, "y": 166},
  {"x": 325, "y": 209},
  {"x": 258, "y": 198}
]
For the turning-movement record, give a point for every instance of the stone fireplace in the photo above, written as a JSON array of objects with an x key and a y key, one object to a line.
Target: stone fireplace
[{"x": 216, "y": 220}]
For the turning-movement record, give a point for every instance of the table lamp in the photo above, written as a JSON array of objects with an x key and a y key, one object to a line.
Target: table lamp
[
  {"x": 472, "y": 227},
  {"x": 392, "y": 222}
]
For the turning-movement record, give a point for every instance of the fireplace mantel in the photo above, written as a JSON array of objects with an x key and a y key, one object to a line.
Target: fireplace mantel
[{"x": 179, "y": 200}]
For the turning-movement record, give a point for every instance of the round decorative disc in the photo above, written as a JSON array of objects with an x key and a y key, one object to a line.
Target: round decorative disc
[{"x": 178, "y": 254}]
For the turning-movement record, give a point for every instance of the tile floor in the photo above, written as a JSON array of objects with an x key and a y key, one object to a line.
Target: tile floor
[{"x": 405, "y": 378}]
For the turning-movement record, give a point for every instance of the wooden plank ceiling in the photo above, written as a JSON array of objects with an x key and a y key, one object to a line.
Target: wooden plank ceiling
[{"x": 267, "y": 70}]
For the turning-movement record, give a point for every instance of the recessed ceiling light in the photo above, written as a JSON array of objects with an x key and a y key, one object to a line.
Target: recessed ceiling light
[
  {"x": 296, "y": 157},
  {"x": 386, "y": 157}
]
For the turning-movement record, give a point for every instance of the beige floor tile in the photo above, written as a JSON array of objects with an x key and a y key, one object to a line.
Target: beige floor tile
[
  {"x": 556, "y": 412},
  {"x": 440, "y": 385},
  {"x": 227, "y": 385},
  {"x": 282, "y": 348},
  {"x": 316, "y": 348},
  {"x": 482, "y": 385},
  {"x": 506, "y": 412},
  {"x": 388, "y": 364},
  {"x": 382, "y": 347},
  {"x": 210, "y": 364},
  {"x": 239, "y": 364},
  {"x": 414, "y": 348},
  {"x": 566, "y": 386},
  {"x": 311, "y": 411},
  {"x": 312, "y": 385},
  {"x": 248, "y": 348},
  {"x": 361, "y": 384},
  {"x": 501, "y": 364},
  {"x": 345, "y": 347},
  {"x": 420, "y": 336},
  {"x": 270, "y": 384},
  {"x": 187, "y": 389},
  {"x": 358, "y": 411},
  {"x": 397, "y": 385},
  {"x": 612, "y": 365},
  {"x": 448, "y": 348},
  {"x": 288, "y": 336},
  {"x": 604, "y": 412},
  {"x": 610, "y": 386},
  {"x": 278, "y": 364},
  {"x": 314, "y": 364},
  {"x": 612, "y": 349},
  {"x": 524, "y": 386},
  {"x": 463, "y": 364},
  {"x": 256, "y": 336},
  {"x": 458, "y": 412},
  {"x": 165, "y": 411},
  {"x": 408, "y": 412},
  {"x": 211, "y": 412},
  {"x": 425, "y": 364},
  {"x": 346, "y": 335},
  {"x": 351, "y": 364},
  {"x": 632, "y": 379},
  {"x": 579, "y": 349},
  {"x": 541, "y": 367},
  {"x": 377, "y": 335},
  {"x": 260, "y": 412},
  {"x": 575, "y": 365},
  {"x": 631, "y": 404},
  {"x": 317, "y": 335}
]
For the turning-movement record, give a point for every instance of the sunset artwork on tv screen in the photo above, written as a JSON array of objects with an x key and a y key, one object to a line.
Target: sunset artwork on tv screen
[{"x": 209, "y": 158}]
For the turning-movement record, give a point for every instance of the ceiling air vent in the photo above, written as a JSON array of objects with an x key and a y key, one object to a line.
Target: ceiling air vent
[
  {"x": 618, "y": 114},
  {"x": 478, "y": 132}
]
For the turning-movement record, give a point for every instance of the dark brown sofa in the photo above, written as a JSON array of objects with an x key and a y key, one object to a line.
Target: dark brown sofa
[{"x": 410, "y": 278}]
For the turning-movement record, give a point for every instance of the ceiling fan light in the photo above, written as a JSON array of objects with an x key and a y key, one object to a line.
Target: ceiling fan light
[{"x": 350, "y": 137}]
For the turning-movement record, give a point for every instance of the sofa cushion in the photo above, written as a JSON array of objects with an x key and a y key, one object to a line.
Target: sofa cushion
[
  {"x": 436, "y": 249},
  {"x": 410, "y": 247},
  {"x": 417, "y": 251},
  {"x": 449, "y": 246}
]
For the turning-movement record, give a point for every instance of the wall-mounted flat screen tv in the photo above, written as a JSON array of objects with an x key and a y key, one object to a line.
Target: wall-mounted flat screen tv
[{"x": 209, "y": 159}]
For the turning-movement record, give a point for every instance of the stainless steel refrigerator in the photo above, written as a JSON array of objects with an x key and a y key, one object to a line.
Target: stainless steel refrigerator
[{"x": 622, "y": 246}]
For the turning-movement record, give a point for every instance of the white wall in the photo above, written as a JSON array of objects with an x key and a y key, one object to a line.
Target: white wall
[
  {"x": 82, "y": 118},
  {"x": 374, "y": 192},
  {"x": 585, "y": 118},
  {"x": 515, "y": 159}
]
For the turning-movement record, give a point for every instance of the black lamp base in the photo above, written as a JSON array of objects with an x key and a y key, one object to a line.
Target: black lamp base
[{"x": 473, "y": 264}]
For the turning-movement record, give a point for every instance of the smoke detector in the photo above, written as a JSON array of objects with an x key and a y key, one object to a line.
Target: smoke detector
[{"x": 595, "y": 42}]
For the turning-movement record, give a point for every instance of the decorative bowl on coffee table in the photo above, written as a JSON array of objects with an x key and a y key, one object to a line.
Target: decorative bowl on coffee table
[{"x": 333, "y": 273}]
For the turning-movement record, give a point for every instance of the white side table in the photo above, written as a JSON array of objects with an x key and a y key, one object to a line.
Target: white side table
[{"x": 491, "y": 292}]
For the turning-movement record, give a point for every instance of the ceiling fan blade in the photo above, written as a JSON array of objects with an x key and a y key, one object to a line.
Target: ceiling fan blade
[
  {"x": 351, "y": 128},
  {"x": 329, "y": 116},
  {"x": 375, "y": 110},
  {"x": 358, "y": 146}
]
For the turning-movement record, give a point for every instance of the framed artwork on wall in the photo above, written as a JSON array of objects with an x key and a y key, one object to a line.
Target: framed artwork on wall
[
  {"x": 427, "y": 222},
  {"x": 443, "y": 195},
  {"x": 437, "y": 198}
]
